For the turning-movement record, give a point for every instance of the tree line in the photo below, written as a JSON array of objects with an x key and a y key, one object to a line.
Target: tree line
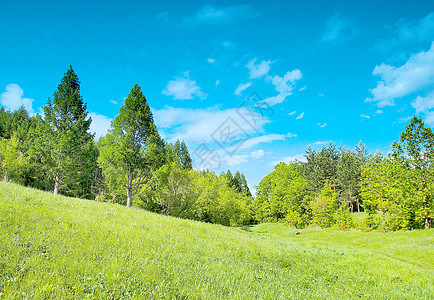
[
  {"x": 130, "y": 165},
  {"x": 395, "y": 192},
  {"x": 133, "y": 165}
]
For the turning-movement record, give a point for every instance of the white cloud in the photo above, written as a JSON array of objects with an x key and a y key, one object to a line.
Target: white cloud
[
  {"x": 321, "y": 94},
  {"x": 425, "y": 105},
  {"x": 321, "y": 125},
  {"x": 338, "y": 29},
  {"x": 396, "y": 82},
  {"x": 410, "y": 31},
  {"x": 292, "y": 113},
  {"x": 284, "y": 85},
  {"x": 379, "y": 111},
  {"x": 302, "y": 89},
  {"x": 258, "y": 70},
  {"x": 12, "y": 99},
  {"x": 274, "y": 99},
  {"x": 217, "y": 82},
  {"x": 211, "y": 60},
  {"x": 265, "y": 139},
  {"x": 183, "y": 88},
  {"x": 211, "y": 15},
  {"x": 242, "y": 87},
  {"x": 289, "y": 159},
  {"x": 114, "y": 102},
  {"x": 300, "y": 116},
  {"x": 429, "y": 118},
  {"x": 320, "y": 143},
  {"x": 233, "y": 160},
  {"x": 365, "y": 116},
  {"x": 100, "y": 124},
  {"x": 199, "y": 124},
  {"x": 257, "y": 154}
]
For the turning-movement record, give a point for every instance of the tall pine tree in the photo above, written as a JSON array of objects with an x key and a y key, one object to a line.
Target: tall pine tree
[{"x": 70, "y": 152}]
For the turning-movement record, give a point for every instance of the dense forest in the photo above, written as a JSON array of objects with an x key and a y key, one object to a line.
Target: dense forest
[{"x": 133, "y": 165}]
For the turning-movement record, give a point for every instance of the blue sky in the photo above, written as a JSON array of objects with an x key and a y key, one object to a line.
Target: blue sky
[{"x": 340, "y": 71}]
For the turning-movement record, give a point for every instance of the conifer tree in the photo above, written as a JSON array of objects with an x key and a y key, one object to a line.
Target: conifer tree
[
  {"x": 132, "y": 149},
  {"x": 67, "y": 140}
]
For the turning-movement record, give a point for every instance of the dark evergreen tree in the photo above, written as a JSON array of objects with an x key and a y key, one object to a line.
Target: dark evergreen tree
[{"x": 70, "y": 156}]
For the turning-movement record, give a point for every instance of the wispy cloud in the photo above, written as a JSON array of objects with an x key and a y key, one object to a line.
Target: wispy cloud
[
  {"x": 260, "y": 69},
  {"x": 292, "y": 113},
  {"x": 321, "y": 125},
  {"x": 284, "y": 85},
  {"x": 339, "y": 29},
  {"x": 397, "y": 82},
  {"x": 242, "y": 87},
  {"x": 425, "y": 106},
  {"x": 321, "y": 143},
  {"x": 211, "y": 60},
  {"x": 365, "y": 116},
  {"x": 212, "y": 15},
  {"x": 409, "y": 31},
  {"x": 12, "y": 98},
  {"x": 379, "y": 111},
  {"x": 198, "y": 125},
  {"x": 114, "y": 102},
  {"x": 183, "y": 88},
  {"x": 300, "y": 116},
  {"x": 257, "y": 154}
]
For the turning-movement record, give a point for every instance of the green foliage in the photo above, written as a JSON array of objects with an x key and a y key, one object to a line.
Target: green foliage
[
  {"x": 69, "y": 155},
  {"x": 321, "y": 168},
  {"x": 344, "y": 218},
  {"x": 12, "y": 161},
  {"x": 219, "y": 203},
  {"x": 324, "y": 208},
  {"x": 132, "y": 149},
  {"x": 178, "y": 152},
  {"x": 282, "y": 195},
  {"x": 416, "y": 151},
  {"x": 389, "y": 189},
  {"x": 171, "y": 192}
]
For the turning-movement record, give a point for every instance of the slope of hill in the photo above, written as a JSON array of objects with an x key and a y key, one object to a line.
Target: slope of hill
[{"x": 59, "y": 247}]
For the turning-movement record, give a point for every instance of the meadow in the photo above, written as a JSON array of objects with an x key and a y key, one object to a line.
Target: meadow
[{"x": 55, "y": 247}]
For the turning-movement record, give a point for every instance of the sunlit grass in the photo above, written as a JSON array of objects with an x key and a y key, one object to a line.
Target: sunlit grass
[{"x": 58, "y": 247}]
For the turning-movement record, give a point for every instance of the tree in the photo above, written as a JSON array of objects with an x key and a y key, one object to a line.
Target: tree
[
  {"x": 389, "y": 189},
  {"x": 11, "y": 159},
  {"x": 416, "y": 150},
  {"x": 66, "y": 138},
  {"x": 172, "y": 189},
  {"x": 325, "y": 207},
  {"x": 132, "y": 149},
  {"x": 348, "y": 178},
  {"x": 282, "y": 194},
  {"x": 245, "y": 187},
  {"x": 179, "y": 152},
  {"x": 320, "y": 168}
]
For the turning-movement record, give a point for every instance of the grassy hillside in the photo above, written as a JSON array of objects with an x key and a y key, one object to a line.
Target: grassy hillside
[{"x": 58, "y": 247}]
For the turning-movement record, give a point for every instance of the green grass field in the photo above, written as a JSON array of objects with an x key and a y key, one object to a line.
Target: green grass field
[{"x": 56, "y": 247}]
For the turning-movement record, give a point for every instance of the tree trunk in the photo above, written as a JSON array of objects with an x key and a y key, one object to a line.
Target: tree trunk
[
  {"x": 128, "y": 196},
  {"x": 6, "y": 176},
  {"x": 427, "y": 224},
  {"x": 358, "y": 203},
  {"x": 56, "y": 185}
]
